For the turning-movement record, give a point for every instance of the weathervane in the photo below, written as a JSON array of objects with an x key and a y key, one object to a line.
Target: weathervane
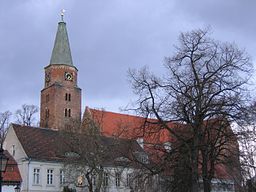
[{"x": 62, "y": 14}]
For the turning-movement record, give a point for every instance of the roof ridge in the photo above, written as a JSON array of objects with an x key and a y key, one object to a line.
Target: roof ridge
[
  {"x": 26, "y": 126},
  {"x": 117, "y": 113}
]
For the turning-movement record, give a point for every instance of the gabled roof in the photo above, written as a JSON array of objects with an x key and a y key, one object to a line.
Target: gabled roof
[
  {"x": 43, "y": 144},
  {"x": 12, "y": 174},
  {"x": 61, "y": 53},
  {"x": 38, "y": 143},
  {"x": 128, "y": 126}
]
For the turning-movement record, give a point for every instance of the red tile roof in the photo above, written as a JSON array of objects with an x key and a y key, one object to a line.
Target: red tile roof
[
  {"x": 12, "y": 174},
  {"x": 130, "y": 126}
]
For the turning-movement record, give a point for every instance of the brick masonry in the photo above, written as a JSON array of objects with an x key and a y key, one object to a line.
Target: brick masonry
[{"x": 54, "y": 101}]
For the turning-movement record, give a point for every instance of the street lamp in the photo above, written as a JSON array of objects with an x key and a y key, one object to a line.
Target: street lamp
[
  {"x": 17, "y": 188},
  {"x": 3, "y": 163}
]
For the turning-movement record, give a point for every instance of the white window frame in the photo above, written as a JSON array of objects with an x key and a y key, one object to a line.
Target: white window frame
[
  {"x": 50, "y": 177},
  {"x": 118, "y": 177},
  {"x": 36, "y": 176},
  {"x": 129, "y": 179},
  {"x": 62, "y": 177},
  {"x": 105, "y": 179}
]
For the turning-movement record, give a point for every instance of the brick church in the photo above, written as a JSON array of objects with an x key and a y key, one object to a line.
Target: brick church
[
  {"x": 39, "y": 164},
  {"x": 61, "y": 96},
  {"x": 36, "y": 151}
]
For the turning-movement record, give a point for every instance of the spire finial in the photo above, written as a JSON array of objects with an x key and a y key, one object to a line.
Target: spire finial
[{"x": 62, "y": 14}]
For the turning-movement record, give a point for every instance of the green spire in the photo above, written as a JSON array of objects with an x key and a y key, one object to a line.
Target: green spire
[{"x": 61, "y": 53}]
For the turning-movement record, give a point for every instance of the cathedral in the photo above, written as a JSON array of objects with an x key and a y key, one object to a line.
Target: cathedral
[{"x": 38, "y": 153}]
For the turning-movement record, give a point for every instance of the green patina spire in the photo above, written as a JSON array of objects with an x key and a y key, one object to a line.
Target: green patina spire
[{"x": 61, "y": 53}]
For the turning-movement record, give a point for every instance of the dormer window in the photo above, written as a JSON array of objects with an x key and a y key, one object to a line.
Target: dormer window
[
  {"x": 141, "y": 157},
  {"x": 167, "y": 146}
]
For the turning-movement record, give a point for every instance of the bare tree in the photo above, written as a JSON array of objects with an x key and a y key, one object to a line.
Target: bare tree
[
  {"x": 26, "y": 115},
  {"x": 4, "y": 124},
  {"x": 85, "y": 153},
  {"x": 205, "y": 80}
]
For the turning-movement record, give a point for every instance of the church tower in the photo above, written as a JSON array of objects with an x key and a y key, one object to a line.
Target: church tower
[{"x": 60, "y": 97}]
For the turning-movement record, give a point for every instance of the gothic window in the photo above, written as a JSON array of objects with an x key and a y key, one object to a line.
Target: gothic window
[
  {"x": 67, "y": 112},
  {"x": 67, "y": 97},
  {"x": 47, "y": 98},
  {"x": 47, "y": 113}
]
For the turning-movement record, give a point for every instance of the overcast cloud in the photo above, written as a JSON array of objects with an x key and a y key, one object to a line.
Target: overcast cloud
[{"x": 107, "y": 38}]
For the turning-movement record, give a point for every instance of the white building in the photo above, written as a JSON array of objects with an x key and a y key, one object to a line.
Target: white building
[{"x": 41, "y": 164}]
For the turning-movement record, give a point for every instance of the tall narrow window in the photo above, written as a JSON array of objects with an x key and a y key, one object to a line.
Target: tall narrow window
[
  {"x": 66, "y": 112},
  {"x": 105, "y": 179},
  {"x": 129, "y": 180},
  {"x": 36, "y": 176},
  {"x": 13, "y": 150},
  {"x": 67, "y": 97},
  {"x": 47, "y": 98},
  {"x": 94, "y": 178},
  {"x": 118, "y": 179},
  {"x": 62, "y": 178},
  {"x": 47, "y": 113},
  {"x": 49, "y": 176},
  {"x": 69, "y": 112}
]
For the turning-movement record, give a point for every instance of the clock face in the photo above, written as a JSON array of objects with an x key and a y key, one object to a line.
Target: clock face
[{"x": 68, "y": 76}]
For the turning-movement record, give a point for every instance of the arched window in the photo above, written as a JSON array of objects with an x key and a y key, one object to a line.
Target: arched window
[
  {"x": 47, "y": 98},
  {"x": 67, "y": 97},
  {"x": 66, "y": 112},
  {"x": 47, "y": 113},
  {"x": 69, "y": 112}
]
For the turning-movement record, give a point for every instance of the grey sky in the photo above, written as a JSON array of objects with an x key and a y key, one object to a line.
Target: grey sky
[{"x": 107, "y": 37}]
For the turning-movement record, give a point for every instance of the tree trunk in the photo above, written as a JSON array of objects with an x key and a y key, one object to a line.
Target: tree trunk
[
  {"x": 194, "y": 165},
  {"x": 207, "y": 185}
]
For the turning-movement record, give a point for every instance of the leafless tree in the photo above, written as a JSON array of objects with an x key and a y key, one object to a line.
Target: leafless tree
[
  {"x": 4, "y": 124},
  {"x": 85, "y": 153},
  {"x": 205, "y": 79},
  {"x": 26, "y": 115}
]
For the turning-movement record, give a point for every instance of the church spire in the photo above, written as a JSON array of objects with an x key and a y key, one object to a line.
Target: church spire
[{"x": 61, "y": 53}]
